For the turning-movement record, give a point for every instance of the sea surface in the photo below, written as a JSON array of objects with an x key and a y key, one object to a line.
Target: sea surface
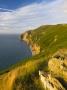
[{"x": 12, "y": 50}]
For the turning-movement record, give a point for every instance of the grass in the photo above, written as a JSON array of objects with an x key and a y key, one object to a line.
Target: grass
[
  {"x": 25, "y": 72},
  {"x": 50, "y": 38}
]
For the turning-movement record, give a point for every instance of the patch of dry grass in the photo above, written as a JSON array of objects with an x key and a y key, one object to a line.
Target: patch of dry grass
[{"x": 7, "y": 80}]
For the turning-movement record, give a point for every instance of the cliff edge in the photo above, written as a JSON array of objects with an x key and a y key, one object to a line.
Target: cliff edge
[
  {"x": 27, "y": 37},
  {"x": 44, "y": 42}
]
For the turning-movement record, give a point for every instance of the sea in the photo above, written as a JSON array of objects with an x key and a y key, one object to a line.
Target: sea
[{"x": 12, "y": 50}]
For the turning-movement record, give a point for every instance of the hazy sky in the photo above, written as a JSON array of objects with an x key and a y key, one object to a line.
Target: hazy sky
[{"x": 17, "y": 16}]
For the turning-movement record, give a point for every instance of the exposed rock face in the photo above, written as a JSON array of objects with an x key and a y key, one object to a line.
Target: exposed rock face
[
  {"x": 58, "y": 68},
  {"x": 49, "y": 82},
  {"x": 27, "y": 37},
  {"x": 58, "y": 64},
  {"x": 35, "y": 49}
]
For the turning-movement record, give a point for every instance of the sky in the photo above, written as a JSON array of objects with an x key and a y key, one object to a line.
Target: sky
[{"x": 17, "y": 16}]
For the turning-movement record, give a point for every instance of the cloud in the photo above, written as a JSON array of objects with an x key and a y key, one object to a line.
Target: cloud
[
  {"x": 5, "y": 10},
  {"x": 33, "y": 15}
]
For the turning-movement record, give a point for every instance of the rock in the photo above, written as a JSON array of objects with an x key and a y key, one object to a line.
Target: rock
[
  {"x": 49, "y": 82},
  {"x": 35, "y": 49},
  {"x": 27, "y": 37},
  {"x": 58, "y": 64}
]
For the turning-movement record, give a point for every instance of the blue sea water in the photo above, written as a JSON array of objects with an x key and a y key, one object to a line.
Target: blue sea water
[{"x": 12, "y": 50}]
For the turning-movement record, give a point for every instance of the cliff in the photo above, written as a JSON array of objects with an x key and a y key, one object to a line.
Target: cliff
[
  {"x": 44, "y": 42},
  {"x": 27, "y": 37}
]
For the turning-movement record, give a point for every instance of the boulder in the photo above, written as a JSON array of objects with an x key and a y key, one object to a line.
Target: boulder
[{"x": 49, "y": 82}]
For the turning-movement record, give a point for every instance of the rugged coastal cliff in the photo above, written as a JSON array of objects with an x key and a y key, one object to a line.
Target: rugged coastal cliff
[
  {"x": 45, "y": 43},
  {"x": 27, "y": 37}
]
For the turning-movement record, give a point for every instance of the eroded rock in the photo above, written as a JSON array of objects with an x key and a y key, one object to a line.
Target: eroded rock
[
  {"x": 27, "y": 37},
  {"x": 58, "y": 64},
  {"x": 49, "y": 82}
]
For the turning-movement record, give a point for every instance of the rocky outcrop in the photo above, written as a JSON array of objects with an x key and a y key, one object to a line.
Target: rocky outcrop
[
  {"x": 49, "y": 82},
  {"x": 27, "y": 37},
  {"x": 58, "y": 67},
  {"x": 57, "y": 70},
  {"x": 58, "y": 64}
]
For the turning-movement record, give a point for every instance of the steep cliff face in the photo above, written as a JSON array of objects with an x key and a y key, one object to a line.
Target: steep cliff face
[{"x": 27, "y": 37}]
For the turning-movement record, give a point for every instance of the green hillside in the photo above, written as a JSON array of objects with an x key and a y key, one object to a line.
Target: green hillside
[
  {"x": 51, "y": 38},
  {"x": 24, "y": 75}
]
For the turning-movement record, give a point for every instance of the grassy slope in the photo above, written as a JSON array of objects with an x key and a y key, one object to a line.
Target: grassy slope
[
  {"x": 25, "y": 74},
  {"x": 46, "y": 37}
]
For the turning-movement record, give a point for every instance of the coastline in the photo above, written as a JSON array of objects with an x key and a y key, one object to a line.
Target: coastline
[{"x": 34, "y": 47}]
